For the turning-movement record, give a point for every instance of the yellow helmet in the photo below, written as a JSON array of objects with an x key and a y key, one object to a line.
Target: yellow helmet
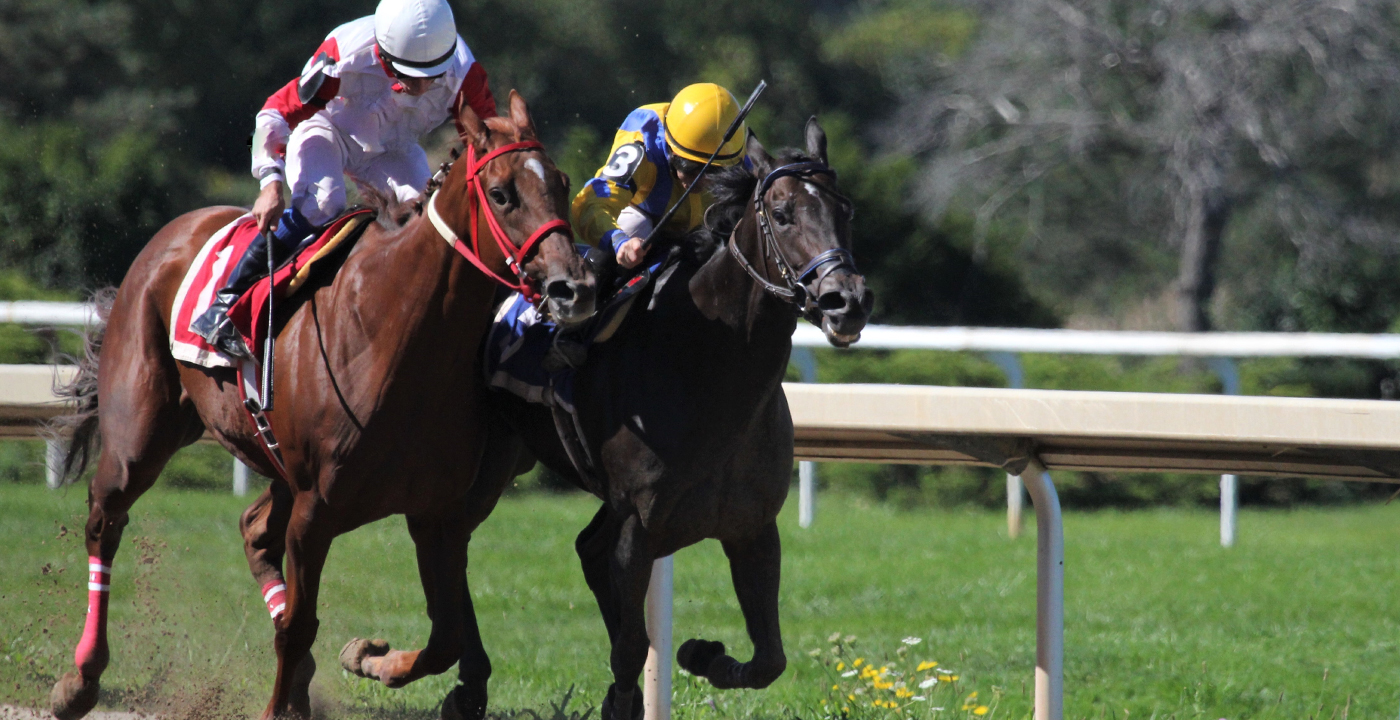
[{"x": 696, "y": 121}]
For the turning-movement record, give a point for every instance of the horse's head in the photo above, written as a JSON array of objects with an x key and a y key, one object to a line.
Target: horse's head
[
  {"x": 526, "y": 199},
  {"x": 806, "y": 223}
]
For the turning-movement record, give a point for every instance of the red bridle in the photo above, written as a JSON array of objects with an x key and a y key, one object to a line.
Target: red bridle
[{"x": 476, "y": 197}]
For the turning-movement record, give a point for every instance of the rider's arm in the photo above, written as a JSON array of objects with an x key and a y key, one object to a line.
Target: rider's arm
[
  {"x": 477, "y": 93},
  {"x": 288, "y": 107},
  {"x": 625, "y": 181}
]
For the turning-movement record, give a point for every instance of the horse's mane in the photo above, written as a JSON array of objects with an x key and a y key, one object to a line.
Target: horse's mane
[
  {"x": 731, "y": 188},
  {"x": 391, "y": 214}
]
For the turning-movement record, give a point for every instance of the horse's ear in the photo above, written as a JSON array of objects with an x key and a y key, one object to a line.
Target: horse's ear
[
  {"x": 520, "y": 115},
  {"x": 471, "y": 129},
  {"x": 762, "y": 161},
  {"x": 816, "y": 139}
]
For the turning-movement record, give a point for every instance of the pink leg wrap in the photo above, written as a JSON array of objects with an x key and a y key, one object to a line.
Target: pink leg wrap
[
  {"x": 92, "y": 649},
  {"x": 275, "y": 595}
]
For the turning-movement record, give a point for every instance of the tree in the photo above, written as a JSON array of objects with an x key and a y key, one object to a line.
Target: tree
[{"x": 1129, "y": 123}]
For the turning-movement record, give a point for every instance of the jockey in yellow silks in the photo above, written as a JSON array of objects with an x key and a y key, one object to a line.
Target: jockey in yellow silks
[{"x": 656, "y": 154}]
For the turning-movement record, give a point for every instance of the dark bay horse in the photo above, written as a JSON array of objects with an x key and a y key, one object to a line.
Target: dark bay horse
[
  {"x": 683, "y": 413},
  {"x": 380, "y": 406}
]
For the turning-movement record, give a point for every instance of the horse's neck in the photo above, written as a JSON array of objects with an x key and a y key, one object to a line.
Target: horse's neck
[
  {"x": 407, "y": 282},
  {"x": 759, "y": 324}
]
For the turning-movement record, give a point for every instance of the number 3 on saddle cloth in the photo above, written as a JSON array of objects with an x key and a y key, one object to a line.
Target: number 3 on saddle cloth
[{"x": 211, "y": 268}]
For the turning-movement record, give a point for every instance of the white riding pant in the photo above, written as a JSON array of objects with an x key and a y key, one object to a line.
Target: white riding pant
[{"x": 319, "y": 157}]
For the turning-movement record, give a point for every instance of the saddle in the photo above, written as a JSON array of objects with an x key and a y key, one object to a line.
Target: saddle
[{"x": 211, "y": 267}]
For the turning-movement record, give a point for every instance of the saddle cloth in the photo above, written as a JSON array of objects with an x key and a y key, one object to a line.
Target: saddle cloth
[{"x": 214, "y": 263}]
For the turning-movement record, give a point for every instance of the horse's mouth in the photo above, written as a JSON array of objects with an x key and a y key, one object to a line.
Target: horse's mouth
[
  {"x": 571, "y": 314},
  {"x": 835, "y": 338}
]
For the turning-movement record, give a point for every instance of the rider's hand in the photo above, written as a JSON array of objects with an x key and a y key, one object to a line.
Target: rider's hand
[
  {"x": 269, "y": 206},
  {"x": 631, "y": 253}
]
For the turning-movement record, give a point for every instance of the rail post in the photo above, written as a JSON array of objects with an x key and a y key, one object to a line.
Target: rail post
[
  {"x": 656, "y": 678},
  {"x": 1010, "y": 364},
  {"x": 240, "y": 478},
  {"x": 1049, "y": 594},
  {"x": 1229, "y": 374},
  {"x": 806, "y": 363},
  {"x": 53, "y": 462}
]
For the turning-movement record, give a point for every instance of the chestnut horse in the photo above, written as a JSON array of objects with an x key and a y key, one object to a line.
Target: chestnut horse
[
  {"x": 379, "y": 411},
  {"x": 686, "y": 431}
]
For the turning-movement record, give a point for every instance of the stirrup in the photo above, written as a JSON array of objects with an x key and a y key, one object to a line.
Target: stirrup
[{"x": 222, "y": 334}]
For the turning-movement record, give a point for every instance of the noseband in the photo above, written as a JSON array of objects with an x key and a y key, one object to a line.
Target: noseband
[
  {"x": 794, "y": 288},
  {"x": 476, "y": 197}
]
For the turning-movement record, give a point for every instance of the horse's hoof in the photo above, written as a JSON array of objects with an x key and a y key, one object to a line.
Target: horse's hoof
[
  {"x": 357, "y": 650},
  {"x": 695, "y": 655},
  {"x": 609, "y": 710},
  {"x": 73, "y": 696},
  {"x": 462, "y": 704}
]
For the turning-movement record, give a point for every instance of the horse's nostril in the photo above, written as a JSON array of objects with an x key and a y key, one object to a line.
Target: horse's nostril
[
  {"x": 561, "y": 290},
  {"x": 831, "y": 301}
]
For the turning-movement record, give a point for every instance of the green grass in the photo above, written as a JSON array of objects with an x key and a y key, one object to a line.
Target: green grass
[{"x": 1296, "y": 621}]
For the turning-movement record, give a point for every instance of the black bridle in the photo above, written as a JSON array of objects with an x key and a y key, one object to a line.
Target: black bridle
[{"x": 794, "y": 289}]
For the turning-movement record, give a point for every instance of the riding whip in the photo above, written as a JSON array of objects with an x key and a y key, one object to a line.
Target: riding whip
[
  {"x": 267, "y": 342},
  {"x": 728, "y": 135}
]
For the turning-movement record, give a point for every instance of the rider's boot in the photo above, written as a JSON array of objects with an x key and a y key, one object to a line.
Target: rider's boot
[{"x": 214, "y": 325}]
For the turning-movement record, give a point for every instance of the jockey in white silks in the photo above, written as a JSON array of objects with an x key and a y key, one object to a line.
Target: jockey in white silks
[{"x": 366, "y": 96}]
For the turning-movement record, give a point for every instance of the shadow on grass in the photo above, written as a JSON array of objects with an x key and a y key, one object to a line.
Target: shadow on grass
[{"x": 557, "y": 711}]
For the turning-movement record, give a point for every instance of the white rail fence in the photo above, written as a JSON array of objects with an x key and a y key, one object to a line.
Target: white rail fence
[{"x": 1003, "y": 346}]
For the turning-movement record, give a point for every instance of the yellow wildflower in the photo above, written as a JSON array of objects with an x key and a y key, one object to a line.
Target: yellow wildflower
[
  {"x": 925, "y": 665},
  {"x": 972, "y": 695},
  {"x": 858, "y": 662},
  {"x": 840, "y": 666},
  {"x": 851, "y": 697},
  {"x": 833, "y": 687},
  {"x": 980, "y": 710}
]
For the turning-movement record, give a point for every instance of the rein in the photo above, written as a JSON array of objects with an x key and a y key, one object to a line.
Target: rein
[
  {"x": 793, "y": 290},
  {"x": 476, "y": 197}
]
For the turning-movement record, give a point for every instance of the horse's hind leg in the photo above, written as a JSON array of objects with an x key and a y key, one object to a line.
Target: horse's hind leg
[
  {"x": 142, "y": 426},
  {"x": 754, "y": 564}
]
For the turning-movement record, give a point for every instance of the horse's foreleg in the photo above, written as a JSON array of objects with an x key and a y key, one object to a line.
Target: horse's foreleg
[
  {"x": 595, "y": 545},
  {"x": 308, "y": 541},
  {"x": 441, "y": 545},
  {"x": 631, "y": 573},
  {"x": 755, "y": 564},
  {"x": 119, "y": 481},
  {"x": 264, "y": 528}
]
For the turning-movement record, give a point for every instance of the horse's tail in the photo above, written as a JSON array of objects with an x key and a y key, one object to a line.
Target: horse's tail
[{"x": 79, "y": 428}]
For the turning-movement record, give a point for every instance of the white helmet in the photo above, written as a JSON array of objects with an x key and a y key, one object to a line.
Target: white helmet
[{"x": 416, "y": 37}]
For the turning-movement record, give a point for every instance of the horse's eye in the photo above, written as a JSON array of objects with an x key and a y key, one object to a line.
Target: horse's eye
[
  {"x": 499, "y": 197},
  {"x": 781, "y": 217}
]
